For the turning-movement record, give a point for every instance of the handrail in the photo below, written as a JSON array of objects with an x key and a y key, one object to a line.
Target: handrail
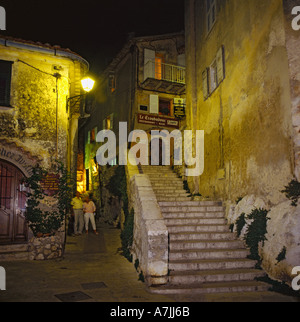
[{"x": 166, "y": 72}]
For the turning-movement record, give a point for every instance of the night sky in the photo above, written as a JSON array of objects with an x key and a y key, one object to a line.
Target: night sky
[{"x": 95, "y": 29}]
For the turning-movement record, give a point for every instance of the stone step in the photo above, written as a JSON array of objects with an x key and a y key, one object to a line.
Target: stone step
[
  {"x": 171, "y": 198},
  {"x": 195, "y": 221},
  {"x": 205, "y": 244},
  {"x": 163, "y": 183},
  {"x": 202, "y": 236},
  {"x": 13, "y": 248},
  {"x": 162, "y": 174},
  {"x": 197, "y": 228},
  {"x": 204, "y": 264},
  {"x": 175, "y": 184},
  {"x": 163, "y": 189},
  {"x": 191, "y": 208},
  {"x": 223, "y": 275},
  {"x": 156, "y": 167},
  {"x": 215, "y": 287},
  {"x": 170, "y": 195},
  {"x": 14, "y": 252},
  {"x": 208, "y": 254},
  {"x": 192, "y": 203},
  {"x": 182, "y": 215}
]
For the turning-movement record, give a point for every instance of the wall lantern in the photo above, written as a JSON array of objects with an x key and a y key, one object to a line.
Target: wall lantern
[{"x": 87, "y": 84}]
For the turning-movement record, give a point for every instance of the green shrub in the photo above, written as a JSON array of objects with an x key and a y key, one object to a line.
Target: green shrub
[
  {"x": 256, "y": 232},
  {"x": 292, "y": 192},
  {"x": 127, "y": 235}
]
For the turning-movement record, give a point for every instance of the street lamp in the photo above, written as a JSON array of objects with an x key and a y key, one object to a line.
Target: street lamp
[{"x": 87, "y": 84}]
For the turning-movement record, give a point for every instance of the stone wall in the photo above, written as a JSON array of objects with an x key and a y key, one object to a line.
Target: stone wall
[
  {"x": 45, "y": 248},
  {"x": 150, "y": 238},
  {"x": 283, "y": 229}
]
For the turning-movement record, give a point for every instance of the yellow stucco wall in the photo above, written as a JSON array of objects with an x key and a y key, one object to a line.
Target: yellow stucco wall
[
  {"x": 37, "y": 120},
  {"x": 247, "y": 119}
]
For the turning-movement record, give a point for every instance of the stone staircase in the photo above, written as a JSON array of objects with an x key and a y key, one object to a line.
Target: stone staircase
[
  {"x": 13, "y": 252},
  {"x": 204, "y": 256}
]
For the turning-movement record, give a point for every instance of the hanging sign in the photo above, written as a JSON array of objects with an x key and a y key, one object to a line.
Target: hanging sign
[
  {"x": 179, "y": 108},
  {"x": 158, "y": 121}
]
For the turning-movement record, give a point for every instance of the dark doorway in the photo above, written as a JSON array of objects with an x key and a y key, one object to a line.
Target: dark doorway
[{"x": 13, "y": 228}]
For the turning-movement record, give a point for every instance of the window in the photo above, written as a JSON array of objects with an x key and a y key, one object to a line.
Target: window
[
  {"x": 154, "y": 64},
  {"x": 159, "y": 60},
  {"x": 165, "y": 107},
  {"x": 143, "y": 108},
  {"x": 210, "y": 14},
  {"x": 112, "y": 83},
  {"x": 160, "y": 106},
  {"x": 213, "y": 76},
  {"x": 93, "y": 134},
  {"x": 108, "y": 122},
  {"x": 5, "y": 80}
]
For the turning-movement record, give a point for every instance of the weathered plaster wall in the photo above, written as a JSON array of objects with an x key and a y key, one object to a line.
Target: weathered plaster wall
[
  {"x": 247, "y": 119},
  {"x": 36, "y": 98},
  {"x": 251, "y": 120}
]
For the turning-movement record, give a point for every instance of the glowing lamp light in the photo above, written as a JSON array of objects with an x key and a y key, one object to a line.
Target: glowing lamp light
[{"x": 87, "y": 84}]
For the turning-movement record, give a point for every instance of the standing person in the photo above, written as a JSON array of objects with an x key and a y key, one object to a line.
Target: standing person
[
  {"x": 89, "y": 209},
  {"x": 77, "y": 205}
]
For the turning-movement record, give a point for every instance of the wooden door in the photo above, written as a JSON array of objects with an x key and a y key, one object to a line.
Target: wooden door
[{"x": 13, "y": 228}]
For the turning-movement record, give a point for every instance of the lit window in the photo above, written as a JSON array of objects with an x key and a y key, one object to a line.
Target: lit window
[
  {"x": 210, "y": 13},
  {"x": 108, "y": 122},
  {"x": 158, "y": 66},
  {"x": 5, "y": 80},
  {"x": 112, "y": 82}
]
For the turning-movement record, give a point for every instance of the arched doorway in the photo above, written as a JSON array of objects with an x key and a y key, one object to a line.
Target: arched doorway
[{"x": 13, "y": 228}]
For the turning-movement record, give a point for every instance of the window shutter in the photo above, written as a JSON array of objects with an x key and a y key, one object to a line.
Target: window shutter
[
  {"x": 220, "y": 65},
  {"x": 205, "y": 83},
  {"x": 149, "y": 68},
  {"x": 154, "y": 104},
  {"x": 181, "y": 60}
]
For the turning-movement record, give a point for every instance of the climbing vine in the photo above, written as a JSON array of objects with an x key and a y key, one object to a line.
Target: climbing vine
[
  {"x": 42, "y": 221},
  {"x": 255, "y": 232},
  {"x": 292, "y": 192}
]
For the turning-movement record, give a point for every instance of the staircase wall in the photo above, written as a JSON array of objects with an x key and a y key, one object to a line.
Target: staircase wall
[{"x": 150, "y": 236}]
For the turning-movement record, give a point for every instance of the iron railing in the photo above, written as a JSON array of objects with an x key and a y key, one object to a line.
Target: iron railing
[{"x": 166, "y": 72}]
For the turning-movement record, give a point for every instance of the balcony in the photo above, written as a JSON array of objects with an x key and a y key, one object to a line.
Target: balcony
[{"x": 164, "y": 77}]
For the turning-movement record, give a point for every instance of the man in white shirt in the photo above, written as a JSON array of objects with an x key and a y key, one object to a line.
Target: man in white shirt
[{"x": 77, "y": 205}]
